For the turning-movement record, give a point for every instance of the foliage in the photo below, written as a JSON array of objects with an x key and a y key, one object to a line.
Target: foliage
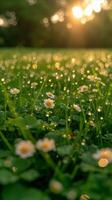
[{"x": 79, "y": 84}]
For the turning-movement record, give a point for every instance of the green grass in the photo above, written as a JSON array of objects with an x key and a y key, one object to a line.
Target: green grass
[{"x": 80, "y": 123}]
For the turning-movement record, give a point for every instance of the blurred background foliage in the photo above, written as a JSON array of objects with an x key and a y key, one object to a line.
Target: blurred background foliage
[{"x": 50, "y": 23}]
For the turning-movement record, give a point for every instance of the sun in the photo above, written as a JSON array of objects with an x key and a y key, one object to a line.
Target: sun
[
  {"x": 86, "y": 13},
  {"x": 77, "y": 12}
]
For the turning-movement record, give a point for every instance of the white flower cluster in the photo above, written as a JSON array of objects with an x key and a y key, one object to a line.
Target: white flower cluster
[{"x": 26, "y": 148}]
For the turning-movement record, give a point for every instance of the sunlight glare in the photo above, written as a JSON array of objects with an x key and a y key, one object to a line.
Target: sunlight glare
[
  {"x": 55, "y": 18},
  {"x": 1, "y": 22},
  {"x": 88, "y": 11},
  {"x": 96, "y": 5},
  {"x": 77, "y": 12}
]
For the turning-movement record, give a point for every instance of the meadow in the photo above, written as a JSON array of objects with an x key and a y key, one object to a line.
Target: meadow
[{"x": 55, "y": 124}]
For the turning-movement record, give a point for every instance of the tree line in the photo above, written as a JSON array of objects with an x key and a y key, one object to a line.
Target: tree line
[{"x": 31, "y": 23}]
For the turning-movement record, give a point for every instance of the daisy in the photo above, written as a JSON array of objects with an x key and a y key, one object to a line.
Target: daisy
[
  {"x": 50, "y": 95},
  {"x": 104, "y": 157},
  {"x": 25, "y": 149},
  {"x": 14, "y": 91},
  {"x": 34, "y": 85},
  {"x": 49, "y": 103},
  {"x": 55, "y": 186},
  {"x": 77, "y": 107},
  {"x": 103, "y": 153},
  {"x": 46, "y": 145}
]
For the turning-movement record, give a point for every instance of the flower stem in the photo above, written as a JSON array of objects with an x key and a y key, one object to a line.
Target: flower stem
[{"x": 6, "y": 142}]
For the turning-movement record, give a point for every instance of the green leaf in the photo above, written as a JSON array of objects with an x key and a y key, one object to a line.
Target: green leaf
[
  {"x": 1, "y": 163},
  {"x": 30, "y": 121},
  {"x": 7, "y": 177},
  {"x": 20, "y": 192},
  {"x": 29, "y": 175},
  {"x": 65, "y": 150},
  {"x": 98, "y": 186},
  {"x": 4, "y": 154},
  {"x": 22, "y": 164}
]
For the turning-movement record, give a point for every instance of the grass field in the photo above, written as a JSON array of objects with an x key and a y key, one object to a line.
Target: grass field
[{"x": 55, "y": 124}]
